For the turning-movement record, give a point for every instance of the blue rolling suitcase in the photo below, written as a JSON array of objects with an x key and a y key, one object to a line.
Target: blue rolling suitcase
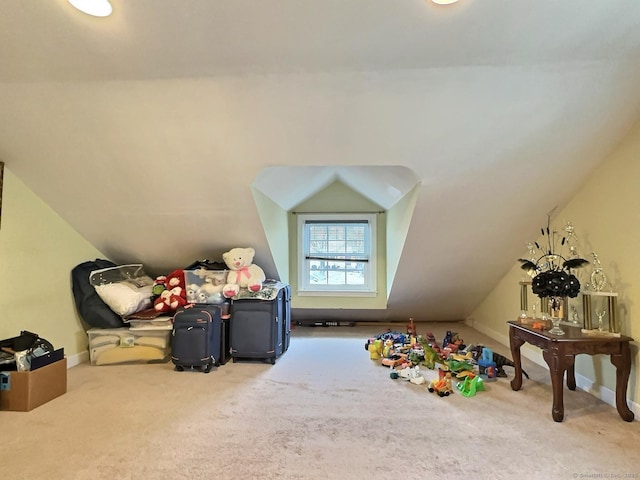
[
  {"x": 197, "y": 337},
  {"x": 286, "y": 318},
  {"x": 261, "y": 329}
]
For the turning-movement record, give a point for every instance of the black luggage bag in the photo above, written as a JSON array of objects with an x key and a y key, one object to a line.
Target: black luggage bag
[
  {"x": 89, "y": 305},
  {"x": 286, "y": 318},
  {"x": 260, "y": 329},
  {"x": 198, "y": 337}
]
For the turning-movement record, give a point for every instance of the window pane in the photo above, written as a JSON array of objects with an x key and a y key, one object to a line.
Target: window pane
[
  {"x": 335, "y": 248},
  {"x": 318, "y": 277},
  {"x": 335, "y": 277},
  {"x": 337, "y": 254}
]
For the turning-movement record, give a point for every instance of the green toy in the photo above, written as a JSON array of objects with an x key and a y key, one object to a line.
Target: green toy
[
  {"x": 430, "y": 356},
  {"x": 470, "y": 386},
  {"x": 456, "y": 366}
]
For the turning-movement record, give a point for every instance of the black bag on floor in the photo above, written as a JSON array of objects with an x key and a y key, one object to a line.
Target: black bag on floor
[
  {"x": 197, "y": 337},
  {"x": 90, "y": 306}
]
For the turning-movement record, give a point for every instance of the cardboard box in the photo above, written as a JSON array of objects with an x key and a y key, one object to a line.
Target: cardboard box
[{"x": 24, "y": 391}]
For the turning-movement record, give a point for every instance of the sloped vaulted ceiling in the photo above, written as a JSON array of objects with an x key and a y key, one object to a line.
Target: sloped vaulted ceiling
[{"x": 145, "y": 130}]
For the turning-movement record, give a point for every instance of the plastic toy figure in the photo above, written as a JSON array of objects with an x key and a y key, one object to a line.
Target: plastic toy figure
[
  {"x": 441, "y": 385},
  {"x": 471, "y": 385},
  {"x": 431, "y": 341},
  {"x": 411, "y": 328},
  {"x": 430, "y": 356},
  {"x": 448, "y": 338},
  {"x": 458, "y": 367},
  {"x": 413, "y": 375},
  {"x": 375, "y": 349},
  {"x": 387, "y": 349},
  {"x": 395, "y": 361}
]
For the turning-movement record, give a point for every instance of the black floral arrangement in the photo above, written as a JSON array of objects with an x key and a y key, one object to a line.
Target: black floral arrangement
[{"x": 551, "y": 271}]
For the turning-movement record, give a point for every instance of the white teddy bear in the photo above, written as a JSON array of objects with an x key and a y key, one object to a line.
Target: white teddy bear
[{"x": 242, "y": 271}]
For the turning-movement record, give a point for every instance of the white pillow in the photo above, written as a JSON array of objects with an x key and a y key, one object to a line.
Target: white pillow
[
  {"x": 124, "y": 298},
  {"x": 96, "y": 340},
  {"x": 159, "y": 342}
]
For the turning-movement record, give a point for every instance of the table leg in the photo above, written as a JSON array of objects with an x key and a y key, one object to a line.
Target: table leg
[
  {"x": 558, "y": 364},
  {"x": 571, "y": 375},
  {"x": 515, "y": 343},
  {"x": 622, "y": 363}
]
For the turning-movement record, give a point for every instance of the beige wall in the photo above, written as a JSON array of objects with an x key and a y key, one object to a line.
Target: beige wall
[
  {"x": 605, "y": 213},
  {"x": 37, "y": 252}
]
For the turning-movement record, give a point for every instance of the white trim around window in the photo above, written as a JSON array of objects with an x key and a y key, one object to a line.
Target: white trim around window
[{"x": 337, "y": 254}]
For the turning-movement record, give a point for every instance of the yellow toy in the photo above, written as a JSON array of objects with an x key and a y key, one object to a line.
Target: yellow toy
[
  {"x": 387, "y": 350},
  {"x": 442, "y": 384},
  {"x": 375, "y": 350}
]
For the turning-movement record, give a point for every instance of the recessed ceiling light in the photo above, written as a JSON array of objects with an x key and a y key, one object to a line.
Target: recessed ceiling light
[
  {"x": 97, "y": 8},
  {"x": 444, "y": 2}
]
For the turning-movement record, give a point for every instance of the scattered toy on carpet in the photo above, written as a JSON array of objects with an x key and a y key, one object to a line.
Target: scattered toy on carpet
[
  {"x": 441, "y": 385},
  {"x": 500, "y": 360},
  {"x": 468, "y": 365}
]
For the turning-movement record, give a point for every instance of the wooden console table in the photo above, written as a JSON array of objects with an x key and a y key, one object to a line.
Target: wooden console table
[{"x": 559, "y": 352}]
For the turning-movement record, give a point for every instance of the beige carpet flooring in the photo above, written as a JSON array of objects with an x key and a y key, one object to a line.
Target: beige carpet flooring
[{"x": 324, "y": 411}]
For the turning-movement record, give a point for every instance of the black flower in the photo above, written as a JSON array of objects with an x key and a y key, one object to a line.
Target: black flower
[{"x": 555, "y": 283}]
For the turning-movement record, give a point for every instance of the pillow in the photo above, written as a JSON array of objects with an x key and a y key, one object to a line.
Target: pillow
[
  {"x": 159, "y": 342},
  {"x": 124, "y": 298},
  {"x": 97, "y": 340},
  {"x": 97, "y": 351},
  {"x": 126, "y": 289},
  {"x": 138, "y": 353}
]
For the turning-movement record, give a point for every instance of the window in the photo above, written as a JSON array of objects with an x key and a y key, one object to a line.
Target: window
[{"x": 337, "y": 254}]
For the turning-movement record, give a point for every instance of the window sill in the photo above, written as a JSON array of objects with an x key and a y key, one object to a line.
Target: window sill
[{"x": 335, "y": 293}]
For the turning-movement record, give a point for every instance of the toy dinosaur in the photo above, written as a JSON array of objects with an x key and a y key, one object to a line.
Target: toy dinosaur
[
  {"x": 500, "y": 360},
  {"x": 430, "y": 356}
]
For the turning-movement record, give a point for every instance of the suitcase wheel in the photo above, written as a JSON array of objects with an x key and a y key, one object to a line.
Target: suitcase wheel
[
  {"x": 273, "y": 360},
  {"x": 179, "y": 368},
  {"x": 206, "y": 368}
]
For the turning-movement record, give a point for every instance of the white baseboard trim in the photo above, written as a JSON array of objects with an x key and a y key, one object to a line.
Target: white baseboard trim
[
  {"x": 605, "y": 394},
  {"x": 534, "y": 354},
  {"x": 77, "y": 359}
]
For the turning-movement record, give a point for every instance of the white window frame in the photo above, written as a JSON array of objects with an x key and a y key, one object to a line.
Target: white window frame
[{"x": 305, "y": 287}]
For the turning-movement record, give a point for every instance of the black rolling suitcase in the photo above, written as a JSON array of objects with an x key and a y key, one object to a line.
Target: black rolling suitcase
[
  {"x": 197, "y": 337},
  {"x": 259, "y": 327},
  {"x": 286, "y": 318}
]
